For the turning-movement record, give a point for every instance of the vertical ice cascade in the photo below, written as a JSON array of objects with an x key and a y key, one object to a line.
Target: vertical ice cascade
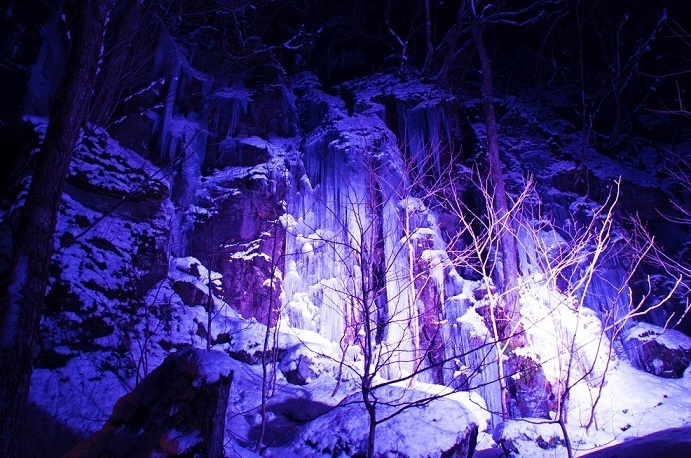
[
  {"x": 356, "y": 236},
  {"x": 228, "y": 105},
  {"x": 426, "y": 135},
  {"x": 344, "y": 248},
  {"x": 188, "y": 147}
]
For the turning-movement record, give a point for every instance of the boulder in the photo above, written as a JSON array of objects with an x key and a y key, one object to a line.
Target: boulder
[
  {"x": 419, "y": 426},
  {"x": 298, "y": 366},
  {"x": 662, "y": 352},
  {"x": 530, "y": 437},
  {"x": 190, "y": 293},
  {"x": 530, "y": 393},
  {"x": 177, "y": 410}
]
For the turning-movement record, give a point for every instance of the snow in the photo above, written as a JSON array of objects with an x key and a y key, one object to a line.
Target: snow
[
  {"x": 91, "y": 393},
  {"x": 650, "y": 405},
  {"x": 669, "y": 338},
  {"x": 671, "y": 442},
  {"x": 175, "y": 442},
  {"x": 330, "y": 217},
  {"x": 102, "y": 163},
  {"x": 212, "y": 365},
  {"x": 427, "y": 429},
  {"x": 470, "y": 400}
]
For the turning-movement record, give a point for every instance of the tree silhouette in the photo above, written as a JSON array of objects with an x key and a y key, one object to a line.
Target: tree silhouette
[{"x": 22, "y": 304}]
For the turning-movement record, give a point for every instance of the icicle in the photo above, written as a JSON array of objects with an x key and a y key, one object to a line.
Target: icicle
[
  {"x": 427, "y": 134},
  {"x": 49, "y": 68},
  {"x": 472, "y": 358},
  {"x": 169, "y": 148},
  {"x": 335, "y": 211},
  {"x": 231, "y": 104},
  {"x": 609, "y": 296},
  {"x": 190, "y": 140}
]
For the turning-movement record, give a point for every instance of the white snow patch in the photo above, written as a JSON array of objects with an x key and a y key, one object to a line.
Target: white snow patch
[{"x": 669, "y": 338}]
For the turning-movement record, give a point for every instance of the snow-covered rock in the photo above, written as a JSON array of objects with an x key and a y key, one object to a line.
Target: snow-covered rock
[
  {"x": 413, "y": 424},
  {"x": 662, "y": 352},
  {"x": 177, "y": 410},
  {"x": 530, "y": 437}
]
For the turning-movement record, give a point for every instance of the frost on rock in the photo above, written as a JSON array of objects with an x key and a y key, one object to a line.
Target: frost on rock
[{"x": 101, "y": 166}]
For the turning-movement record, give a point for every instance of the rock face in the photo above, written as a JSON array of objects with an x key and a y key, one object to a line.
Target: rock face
[
  {"x": 111, "y": 249},
  {"x": 178, "y": 410},
  {"x": 436, "y": 428},
  {"x": 236, "y": 230},
  {"x": 530, "y": 392},
  {"x": 662, "y": 352}
]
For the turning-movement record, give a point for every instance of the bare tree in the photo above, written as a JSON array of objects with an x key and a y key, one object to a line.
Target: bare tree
[
  {"x": 429, "y": 57},
  {"x": 22, "y": 304},
  {"x": 475, "y": 246},
  {"x": 269, "y": 354},
  {"x": 375, "y": 236},
  {"x": 566, "y": 264},
  {"x": 480, "y": 15}
]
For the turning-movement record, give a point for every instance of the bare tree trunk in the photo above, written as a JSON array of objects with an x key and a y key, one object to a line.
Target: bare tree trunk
[
  {"x": 366, "y": 281},
  {"x": 268, "y": 377},
  {"x": 210, "y": 305},
  {"x": 117, "y": 63},
  {"x": 508, "y": 242},
  {"x": 371, "y": 437},
  {"x": 367, "y": 383},
  {"x": 429, "y": 59},
  {"x": 22, "y": 304}
]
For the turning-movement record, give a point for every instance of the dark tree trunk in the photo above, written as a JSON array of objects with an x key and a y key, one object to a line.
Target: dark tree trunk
[
  {"x": 368, "y": 305},
  {"x": 501, "y": 207},
  {"x": 22, "y": 304},
  {"x": 371, "y": 436},
  {"x": 429, "y": 59},
  {"x": 117, "y": 71}
]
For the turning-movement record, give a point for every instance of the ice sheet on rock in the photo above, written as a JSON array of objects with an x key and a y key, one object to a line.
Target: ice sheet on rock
[{"x": 184, "y": 153}]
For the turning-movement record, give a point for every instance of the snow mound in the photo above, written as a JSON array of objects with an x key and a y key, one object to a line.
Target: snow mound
[
  {"x": 174, "y": 411},
  {"x": 413, "y": 425}
]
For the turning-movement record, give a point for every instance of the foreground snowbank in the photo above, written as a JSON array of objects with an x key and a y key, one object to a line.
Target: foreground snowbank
[{"x": 413, "y": 425}]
